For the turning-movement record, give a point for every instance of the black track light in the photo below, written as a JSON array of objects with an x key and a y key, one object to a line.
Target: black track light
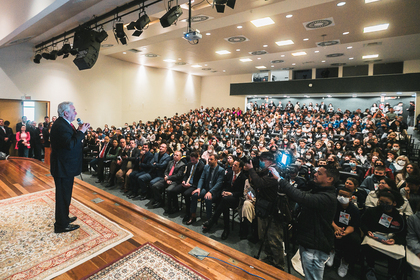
[
  {"x": 53, "y": 55},
  {"x": 46, "y": 55},
  {"x": 220, "y": 5},
  {"x": 74, "y": 51},
  {"x": 37, "y": 58},
  {"x": 101, "y": 36},
  {"x": 119, "y": 33},
  {"x": 171, "y": 16}
]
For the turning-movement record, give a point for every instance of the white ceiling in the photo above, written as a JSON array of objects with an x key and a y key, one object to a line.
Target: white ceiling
[{"x": 39, "y": 20}]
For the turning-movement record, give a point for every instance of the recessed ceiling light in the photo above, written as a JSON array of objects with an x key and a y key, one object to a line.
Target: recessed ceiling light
[
  {"x": 224, "y": 70},
  {"x": 306, "y": 39},
  {"x": 375, "y": 28},
  {"x": 259, "y": 58},
  {"x": 196, "y": 66},
  {"x": 239, "y": 26},
  {"x": 370, "y": 1},
  {"x": 293, "y": 64},
  {"x": 299, "y": 53},
  {"x": 205, "y": 64},
  {"x": 272, "y": 65},
  {"x": 285, "y": 43},
  {"x": 341, "y": 4},
  {"x": 223, "y": 52},
  {"x": 370, "y": 56},
  {"x": 349, "y": 47},
  {"x": 329, "y": 95},
  {"x": 208, "y": 33},
  {"x": 264, "y": 46},
  {"x": 124, "y": 53},
  {"x": 245, "y": 59},
  {"x": 351, "y": 58},
  {"x": 260, "y": 67},
  {"x": 262, "y": 22},
  {"x": 316, "y": 51},
  {"x": 323, "y": 61},
  {"x": 238, "y": 50},
  {"x": 346, "y": 33},
  {"x": 289, "y": 16},
  {"x": 169, "y": 60},
  {"x": 282, "y": 55}
]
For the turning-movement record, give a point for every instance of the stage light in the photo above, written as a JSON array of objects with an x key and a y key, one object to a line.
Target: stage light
[
  {"x": 37, "y": 58},
  {"x": 119, "y": 33},
  {"x": 53, "y": 55},
  {"x": 101, "y": 36},
  {"x": 220, "y": 5},
  {"x": 46, "y": 55},
  {"x": 171, "y": 16},
  {"x": 65, "y": 50},
  {"x": 139, "y": 25}
]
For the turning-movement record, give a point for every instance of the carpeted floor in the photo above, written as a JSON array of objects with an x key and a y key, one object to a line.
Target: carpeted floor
[{"x": 29, "y": 248}]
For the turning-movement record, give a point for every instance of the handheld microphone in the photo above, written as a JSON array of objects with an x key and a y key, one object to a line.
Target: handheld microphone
[{"x": 79, "y": 121}]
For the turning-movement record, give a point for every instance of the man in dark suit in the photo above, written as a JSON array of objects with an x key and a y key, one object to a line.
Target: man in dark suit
[
  {"x": 128, "y": 159},
  {"x": 156, "y": 173},
  {"x": 209, "y": 187},
  {"x": 189, "y": 183},
  {"x": 141, "y": 166},
  {"x": 66, "y": 162},
  {"x": 4, "y": 138},
  {"x": 233, "y": 188},
  {"x": 173, "y": 175}
]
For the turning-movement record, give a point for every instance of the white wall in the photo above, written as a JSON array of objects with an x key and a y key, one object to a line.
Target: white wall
[
  {"x": 112, "y": 92},
  {"x": 215, "y": 91},
  {"x": 411, "y": 66}
]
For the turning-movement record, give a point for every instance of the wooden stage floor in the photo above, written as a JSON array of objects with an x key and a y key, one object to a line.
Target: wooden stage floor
[{"x": 20, "y": 176}]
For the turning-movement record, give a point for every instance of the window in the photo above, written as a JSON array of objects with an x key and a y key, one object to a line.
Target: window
[{"x": 29, "y": 109}]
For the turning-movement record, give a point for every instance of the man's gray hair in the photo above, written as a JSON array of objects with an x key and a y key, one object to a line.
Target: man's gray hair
[{"x": 63, "y": 107}]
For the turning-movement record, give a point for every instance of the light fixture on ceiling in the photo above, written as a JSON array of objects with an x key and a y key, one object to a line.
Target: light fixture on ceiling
[
  {"x": 196, "y": 66},
  {"x": 223, "y": 52},
  {"x": 289, "y": 16},
  {"x": 65, "y": 50},
  {"x": 299, "y": 53},
  {"x": 245, "y": 59},
  {"x": 306, "y": 39},
  {"x": 37, "y": 58},
  {"x": 340, "y": 4},
  {"x": 169, "y": 60},
  {"x": 351, "y": 58},
  {"x": 349, "y": 47},
  {"x": 370, "y": 56},
  {"x": 371, "y": 1},
  {"x": 346, "y": 33},
  {"x": 140, "y": 24},
  {"x": 220, "y": 5},
  {"x": 375, "y": 28},
  {"x": 119, "y": 33},
  {"x": 260, "y": 67},
  {"x": 262, "y": 22},
  {"x": 285, "y": 43},
  {"x": 171, "y": 16}
]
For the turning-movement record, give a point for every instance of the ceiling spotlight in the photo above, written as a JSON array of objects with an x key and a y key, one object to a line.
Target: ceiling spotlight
[
  {"x": 46, "y": 55},
  {"x": 119, "y": 33},
  {"x": 65, "y": 50},
  {"x": 171, "y": 16},
  {"x": 101, "y": 36},
  {"x": 139, "y": 25},
  {"x": 37, "y": 58},
  {"x": 220, "y": 5},
  {"x": 53, "y": 55}
]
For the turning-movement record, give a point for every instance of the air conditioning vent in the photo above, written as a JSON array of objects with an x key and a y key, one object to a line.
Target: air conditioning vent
[
  {"x": 334, "y": 54},
  {"x": 259, "y": 52},
  {"x": 372, "y": 44},
  {"x": 134, "y": 51},
  {"x": 319, "y": 23},
  {"x": 206, "y": 69},
  {"x": 180, "y": 63},
  {"x": 277, "y": 61},
  {"x": 264, "y": 71},
  {"x": 328, "y": 43},
  {"x": 308, "y": 62},
  {"x": 237, "y": 39},
  {"x": 288, "y": 68},
  {"x": 151, "y": 55}
]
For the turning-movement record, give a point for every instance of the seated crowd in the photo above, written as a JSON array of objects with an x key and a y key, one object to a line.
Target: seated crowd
[{"x": 223, "y": 157}]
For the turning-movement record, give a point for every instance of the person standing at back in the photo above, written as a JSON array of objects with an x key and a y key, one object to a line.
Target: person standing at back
[{"x": 66, "y": 162}]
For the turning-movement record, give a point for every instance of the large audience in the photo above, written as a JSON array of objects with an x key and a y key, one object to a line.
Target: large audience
[{"x": 205, "y": 155}]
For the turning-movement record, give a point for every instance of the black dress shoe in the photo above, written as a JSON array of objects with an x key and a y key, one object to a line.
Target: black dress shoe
[
  {"x": 207, "y": 226},
  {"x": 99, "y": 181},
  {"x": 70, "y": 227},
  {"x": 191, "y": 221},
  {"x": 142, "y": 197},
  {"x": 186, "y": 218},
  {"x": 225, "y": 234},
  {"x": 157, "y": 204},
  {"x": 72, "y": 219}
]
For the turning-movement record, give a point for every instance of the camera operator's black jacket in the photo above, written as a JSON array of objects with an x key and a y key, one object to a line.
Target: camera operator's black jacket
[
  {"x": 265, "y": 184},
  {"x": 314, "y": 229}
]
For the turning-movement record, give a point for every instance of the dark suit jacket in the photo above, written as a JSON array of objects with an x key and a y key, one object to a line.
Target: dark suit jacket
[
  {"x": 237, "y": 189},
  {"x": 178, "y": 171},
  {"x": 158, "y": 166},
  {"x": 66, "y": 149},
  {"x": 197, "y": 173},
  {"x": 142, "y": 162},
  {"x": 215, "y": 187},
  {"x": 4, "y": 134},
  {"x": 134, "y": 154}
]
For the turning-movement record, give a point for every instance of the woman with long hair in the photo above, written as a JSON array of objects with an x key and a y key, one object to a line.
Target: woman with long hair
[{"x": 23, "y": 139}]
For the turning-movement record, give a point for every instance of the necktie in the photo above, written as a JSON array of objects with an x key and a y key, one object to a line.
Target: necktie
[
  {"x": 172, "y": 169},
  {"x": 73, "y": 127},
  {"x": 234, "y": 178},
  {"x": 102, "y": 153},
  {"x": 191, "y": 174}
]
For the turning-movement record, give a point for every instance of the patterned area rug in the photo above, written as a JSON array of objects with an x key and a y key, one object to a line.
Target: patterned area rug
[
  {"x": 146, "y": 262},
  {"x": 29, "y": 248}
]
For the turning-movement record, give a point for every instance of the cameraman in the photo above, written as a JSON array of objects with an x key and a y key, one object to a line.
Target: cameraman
[
  {"x": 266, "y": 187},
  {"x": 315, "y": 233}
]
